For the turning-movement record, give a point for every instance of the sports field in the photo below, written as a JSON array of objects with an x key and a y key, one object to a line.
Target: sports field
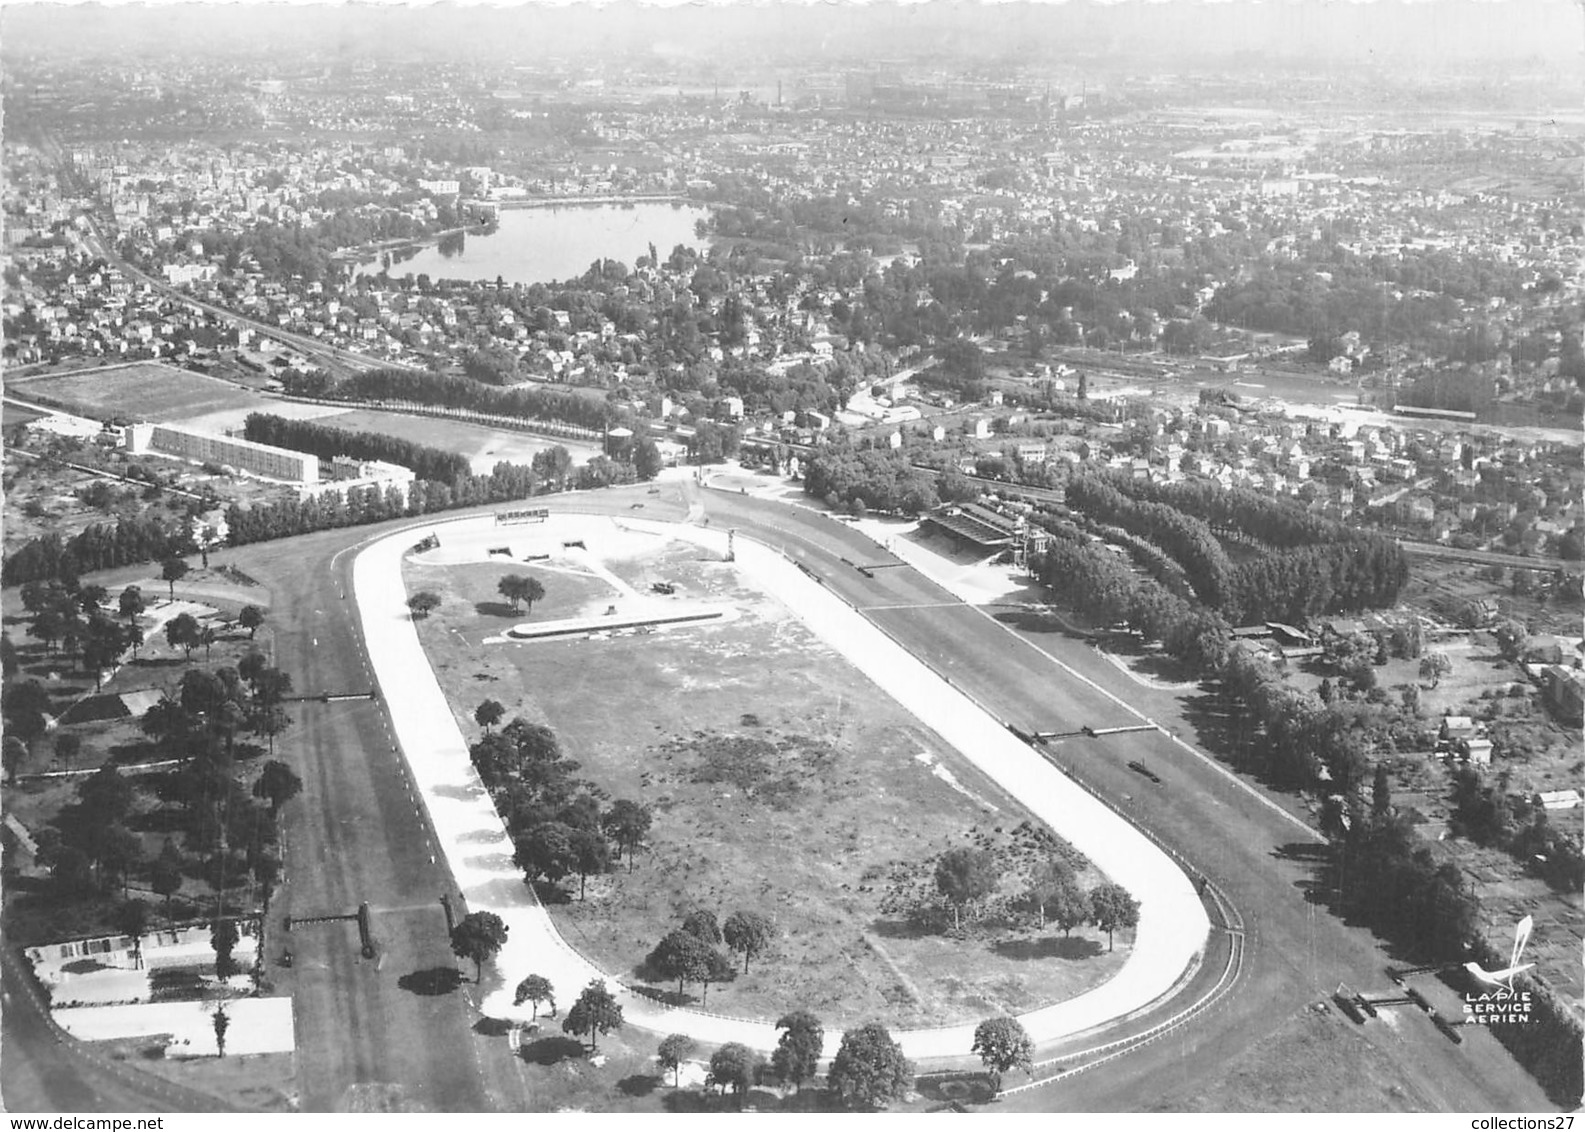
[
  {"x": 781, "y": 779},
  {"x": 483, "y": 446},
  {"x": 143, "y": 390}
]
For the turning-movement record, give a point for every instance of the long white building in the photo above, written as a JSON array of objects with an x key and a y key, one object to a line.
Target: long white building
[{"x": 263, "y": 460}]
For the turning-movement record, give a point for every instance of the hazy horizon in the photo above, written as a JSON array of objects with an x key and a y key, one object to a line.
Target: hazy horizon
[{"x": 1434, "y": 34}]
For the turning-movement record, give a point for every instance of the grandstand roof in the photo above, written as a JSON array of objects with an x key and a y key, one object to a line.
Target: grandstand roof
[{"x": 979, "y": 525}]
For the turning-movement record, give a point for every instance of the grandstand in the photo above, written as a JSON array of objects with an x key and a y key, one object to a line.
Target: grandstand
[{"x": 969, "y": 522}]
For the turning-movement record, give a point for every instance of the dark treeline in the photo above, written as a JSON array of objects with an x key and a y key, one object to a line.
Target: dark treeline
[
  {"x": 98, "y": 547},
  {"x": 555, "y": 818},
  {"x": 879, "y": 479},
  {"x": 466, "y": 393},
  {"x": 1319, "y": 566},
  {"x": 1382, "y": 872},
  {"x": 130, "y": 541},
  {"x": 1238, "y": 510},
  {"x": 331, "y": 509},
  {"x": 1147, "y": 556},
  {"x": 326, "y": 442},
  {"x": 1101, "y": 585},
  {"x": 1294, "y": 585},
  {"x": 1187, "y": 539}
]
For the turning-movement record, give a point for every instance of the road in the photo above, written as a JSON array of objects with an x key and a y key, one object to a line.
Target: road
[{"x": 352, "y": 836}]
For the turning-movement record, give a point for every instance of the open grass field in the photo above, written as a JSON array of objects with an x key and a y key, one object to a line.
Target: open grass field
[
  {"x": 782, "y": 782},
  {"x": 146, "y": 390},
  {"x": 484, "y": 447},
  {"x": 13, "y": 415}
]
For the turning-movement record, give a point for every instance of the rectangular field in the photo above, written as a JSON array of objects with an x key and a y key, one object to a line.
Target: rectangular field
[
  {"x": 483, "y": 446},
  {"x": 13, "y": 415},
  {"x": 142, "y": 390}
]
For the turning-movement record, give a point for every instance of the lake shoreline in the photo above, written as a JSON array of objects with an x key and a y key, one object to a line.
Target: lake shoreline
[{"x": 546, "y": 241}]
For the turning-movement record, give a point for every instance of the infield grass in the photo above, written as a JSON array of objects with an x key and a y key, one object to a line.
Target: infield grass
[{"x": 782, "y": 781}]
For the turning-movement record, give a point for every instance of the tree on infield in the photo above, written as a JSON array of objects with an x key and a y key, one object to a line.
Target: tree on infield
[
  {"x": 796, "y": 1057},
  {"x": 1058, "y": 896},
  {"x": 718, "y": 969},
  {"x": 488, "y": 714},
  {"x": 965, "y": 876},
  {"x": 733, "y": 1066},
  {"x": 423, "y": 603},
  {"x": 479, "y": 936},
  {"x": 279, "y": 783},
  {"x": 674, "y": 1050},
  {"x": 511, "y": 588},
  {"x": 547, "y": 853},
  {"x": 627, "y": 823},
  {"x": 250, "y": 619},
  {"x": 1003, "y": 1044},
  {"x": 596, "y": 1012},
  {"x": 222, "y": 1024},
  {"x": 591, "y": 853},
  {"x": 682, "y": 956},
  {"x": 535, "y": 989},
  {"x": 869, "y": 1067},
  {"x": 748, "y": 932},
  {"x": 173, "y": 570},
  {"x": 1113, "y": 908},
  {"x": 701, "y": 924},
  {"x": 521, "y": 588}
]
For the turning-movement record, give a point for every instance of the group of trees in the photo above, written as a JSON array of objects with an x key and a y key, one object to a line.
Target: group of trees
[
  {"x": 92, "y": 846},
  {"x": 1104, "y": 588},
  {"x": 1305, "y": 566},
  {"x": 968, "y": 882},
  {"x": 358, "y": 506},
  {"x": 557, "y": 823},
  {"x": 534, "y": 403},
  {"x": 521, "y": 588},
  {"x": 326, "y": 442},
  {"x": 99, "y": 546},
  {"x": 1188, "y": 540},
  {"x": 692, "y": 952},
  {"x": 1343, "y": 570},
  {"x": 873, "y": 480},
  {"x": 868, "y": 1070}
]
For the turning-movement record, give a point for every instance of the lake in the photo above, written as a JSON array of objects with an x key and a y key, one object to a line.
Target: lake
[{"x": 543, "y": 245}]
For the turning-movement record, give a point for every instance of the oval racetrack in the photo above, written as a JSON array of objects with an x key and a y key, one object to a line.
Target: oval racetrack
[{"x": 1173, "y": 924}]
